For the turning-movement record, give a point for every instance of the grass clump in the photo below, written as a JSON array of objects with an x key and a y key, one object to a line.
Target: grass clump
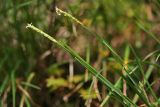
[{"x": 102, "y": 53}]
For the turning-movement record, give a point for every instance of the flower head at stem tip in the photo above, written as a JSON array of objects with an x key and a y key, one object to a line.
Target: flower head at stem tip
[
  {"x": 29, "y": 25},
  {"x": 58, "y": 11}
]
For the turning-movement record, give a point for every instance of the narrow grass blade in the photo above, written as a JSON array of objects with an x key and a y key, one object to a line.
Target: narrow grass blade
[
  {"x": 130, "y": 81},
  {"x": 24, "y": 4},
  {"x": 128, "y": 78},
  {"x": 158, "y": 56},
  {"x": 100, "y": 39},
  {"x": 105, "y": 43},
  {"x": 110, "y": 93},
  {"x": 144, "y": 60},
  {"x": 16, "y": 7},
  {"x": 147, "y": 75},
  {"x": 92, "y": 70},
  {"x": 139, "y": 62},
  {"x": 4, "y": 84},
  {"x": 28, "y": 83},
  {"x": 27, "y": 102},
  {"x": 140, "y": 25},
  {"x": 126, "y": 58},
  {"x": 3, "y": 62},
  {"x": 13, "y": 83},
  {"x": 91, "y": 86}
]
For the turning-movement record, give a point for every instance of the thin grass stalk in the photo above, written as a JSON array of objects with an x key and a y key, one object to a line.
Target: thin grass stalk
[
  {"x": 109, "y": 85},
  {"x": 131, "y": 81}
]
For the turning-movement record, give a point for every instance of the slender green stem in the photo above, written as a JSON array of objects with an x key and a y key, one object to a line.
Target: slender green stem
[{"x": 125, "y": 100}]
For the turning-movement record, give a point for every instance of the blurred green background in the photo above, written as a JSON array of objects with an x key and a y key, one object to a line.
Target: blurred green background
[{"x": 34, "y": 72}]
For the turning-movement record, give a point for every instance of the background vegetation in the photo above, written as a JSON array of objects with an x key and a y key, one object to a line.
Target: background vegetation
[{"x": 119, "y": 38}]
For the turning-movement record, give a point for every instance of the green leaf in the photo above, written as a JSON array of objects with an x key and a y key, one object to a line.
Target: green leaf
[
  {"x": 55, "y": 83},
  {"x": 78, "y": 78},
  {"x": 84, "y": 94}
]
